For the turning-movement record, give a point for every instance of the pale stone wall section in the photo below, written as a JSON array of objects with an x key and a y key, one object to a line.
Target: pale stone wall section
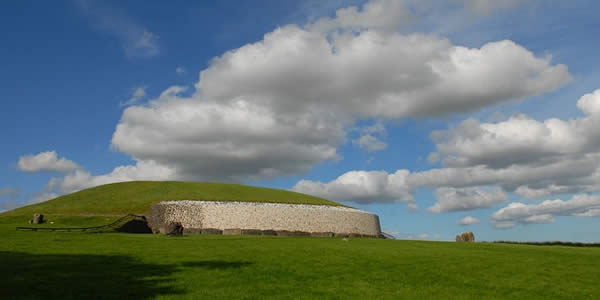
[{"x": 265, "y": 216}]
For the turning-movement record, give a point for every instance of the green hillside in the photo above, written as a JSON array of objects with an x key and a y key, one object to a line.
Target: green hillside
[{"x": 138, "y": 196}]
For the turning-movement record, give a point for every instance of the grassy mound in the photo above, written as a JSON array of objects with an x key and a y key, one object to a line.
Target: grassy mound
[{"x": 137, "y": 197}]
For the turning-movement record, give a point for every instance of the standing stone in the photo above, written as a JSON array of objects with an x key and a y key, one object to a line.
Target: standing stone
[
  {"x": 466, "y": 237},
  {"x": 38, "y": 218}
]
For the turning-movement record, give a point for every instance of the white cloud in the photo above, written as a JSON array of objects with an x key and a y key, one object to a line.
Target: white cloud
[
  {"x": 180, "y": 70},
  {"x": 136, "y": 40},
  {"x": 376, "y": 128},
  {"x": 544, "y": 212},
  {"x": 285, "y": 103},
  {"x": 595, "y": 212},
  {"x": 362, "y": 187},
  {"x": 528, "y": 157},
  {"x": 375, "y": 14},
  {"x": 526, "y": 192},
  {"x": 590, "y": 103},
  {"x": 137, "y": 94},
  {"x": 370, "y": 143},
  {"x": 462, "y": 199},
  {"x": 468, "y": 220},
  {"x": 533, "y": 158},
  {"x": 45, "y": 161},
  {"x": 81, "y": 179}
]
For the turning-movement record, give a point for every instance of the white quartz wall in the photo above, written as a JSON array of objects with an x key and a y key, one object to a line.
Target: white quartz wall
[{"x": 266, "y": 216}]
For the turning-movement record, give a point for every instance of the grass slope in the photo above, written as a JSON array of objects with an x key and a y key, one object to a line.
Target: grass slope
[
  {"x": 60, "y": 265},
  {"x": 138, "y": 196}
]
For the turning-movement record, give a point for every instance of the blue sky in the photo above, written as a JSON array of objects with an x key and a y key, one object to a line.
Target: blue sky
[{"x": 423, "y": 112}]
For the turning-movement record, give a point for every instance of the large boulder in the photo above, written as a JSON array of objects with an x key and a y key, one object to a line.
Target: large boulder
[
  {"x": 466, "y": 237},
  {"x": 37, "y": 218}
]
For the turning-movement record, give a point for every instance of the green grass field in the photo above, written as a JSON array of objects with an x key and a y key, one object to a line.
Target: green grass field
[
  {"x": 65, "y": 265},
  {"x": 110, "y": 265},
  {"x": 137, "y": 197}
]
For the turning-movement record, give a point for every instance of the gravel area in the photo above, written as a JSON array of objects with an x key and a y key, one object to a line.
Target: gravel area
[{"x": 195, "y": 215}]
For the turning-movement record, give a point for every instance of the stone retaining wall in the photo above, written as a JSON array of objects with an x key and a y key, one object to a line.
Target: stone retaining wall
[{"x": 318, "y": 220}]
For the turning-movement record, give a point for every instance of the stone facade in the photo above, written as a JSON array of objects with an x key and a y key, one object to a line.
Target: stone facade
[{"x": 240, "y": 217}]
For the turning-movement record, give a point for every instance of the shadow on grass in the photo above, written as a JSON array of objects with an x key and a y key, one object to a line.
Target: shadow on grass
[
  {"x": 77, "y": 276},
  {"x": 63, "y": 276}
]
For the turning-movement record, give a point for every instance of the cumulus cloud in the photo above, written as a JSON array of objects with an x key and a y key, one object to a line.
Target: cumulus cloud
[
  {"x": 375, "y": 14},
  {"x": 520, "y": 155},
  {"x": 287, "y": 102},
  {"x": 468, "y": 220},
  {"x": 462, "y": 199},
  {"x": 180, "y": 70},
  {"x": 280, "y": 105},
  {"x": 370, "y": 143},
  {"x": 81, "y": 179},
  {"x": 137, "y": 94},
  {"x": 136, "y": 40},
  {"x": 45, "y": 161},
  {"x": 362, "y": 187},
  {"x": 544, "y": 212},
  {"x": 530, "y": 157}
]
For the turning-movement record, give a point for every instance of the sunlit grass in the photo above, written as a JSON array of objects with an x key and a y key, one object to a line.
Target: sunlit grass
[{"x": 116, "y": 265}]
